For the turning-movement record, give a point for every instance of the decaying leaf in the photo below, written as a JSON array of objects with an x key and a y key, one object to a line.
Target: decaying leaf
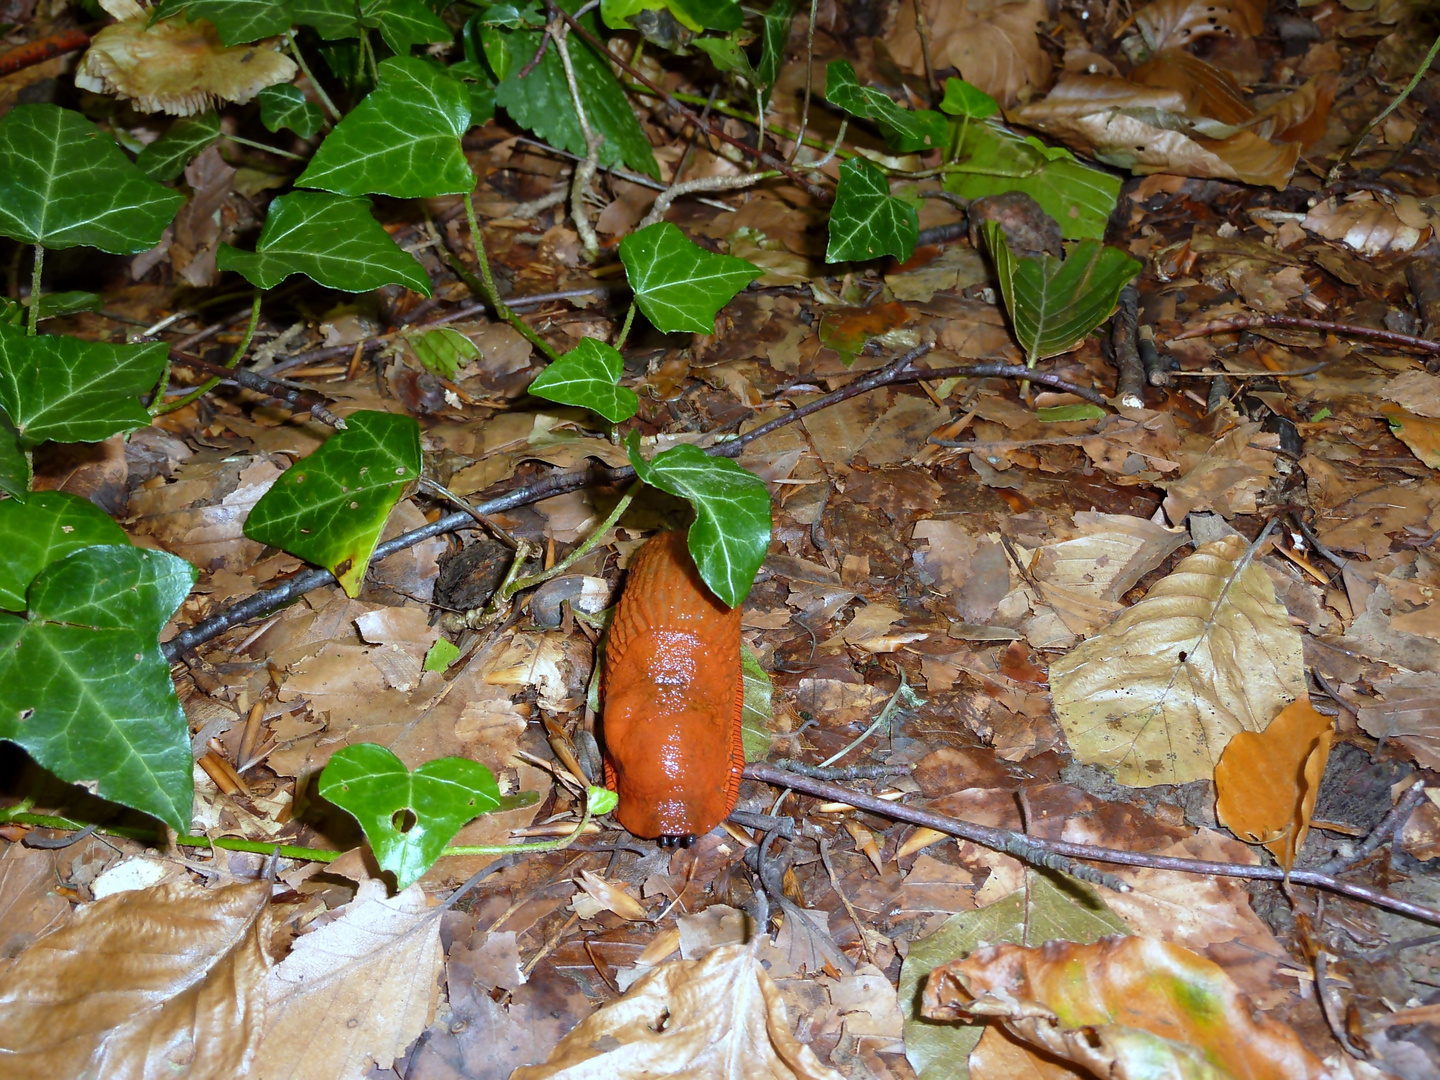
[
  {"x": 354, "y": 993},
  {"x": 176, "y": 67},
  {"x": 1125, "y": 1008},
  {"x": 1266, "y": 782},
  {"x": 995, "y": 46},
  {"x": 1168, "y": 24},
  {"x": 1208, "y": 653},
  {"x": 164, "y": 981},
  {"x": 717, "y": 1016},
  {"x": 1373, "y": 224}
]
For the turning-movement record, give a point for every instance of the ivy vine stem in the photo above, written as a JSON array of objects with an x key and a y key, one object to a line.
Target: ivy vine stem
[
  {"x": 492, "y": 294},
  {"x": 160, "y": 408},
  {"x": 319, "y": 90},
  {"x": 33, "y": 319},
  {"x": 625, "y": 329}
]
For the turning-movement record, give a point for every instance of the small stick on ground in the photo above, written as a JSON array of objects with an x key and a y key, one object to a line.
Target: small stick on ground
[
  {"x": 1258, "y": 322},
  {"x": 1130, "y": 384}
]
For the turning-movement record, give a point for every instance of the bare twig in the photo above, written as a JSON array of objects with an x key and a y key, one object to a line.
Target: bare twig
[
  {"x": 585, "y": 171},
  {"x": 661, "y": 206},
  {"x": 809, "y": 80},
  {"x": 1130, "y": 384},
  {"x": 42, "y": 49},
  {"x": 291, "y": 395},
  {"x": 768, "y": 774},
  {"x": 1256, "y": 322},
  {"x": 1387, "y": 830},
  {"x": 922, "y": 30}
]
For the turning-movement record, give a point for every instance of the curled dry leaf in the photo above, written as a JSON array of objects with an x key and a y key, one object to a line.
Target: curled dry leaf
[
  {"x": 1170, "y": 24},
  {"x": 688, "y": 1020},
  {"x": 995, "y": 46},
  {"x": 1156, "y": 696},
  {"x": 153, "y": 982},
  {"x": 176, "y": 67},
  {"x": 1124, "y": 1007},
  {"x": 1373, "y": 224},
  {"x": 1266, "y": 781},
  {"x": 1120, "y": 123}
]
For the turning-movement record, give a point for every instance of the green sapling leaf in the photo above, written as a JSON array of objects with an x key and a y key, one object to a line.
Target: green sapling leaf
[
  {"x": 443, "y": 351},
  {"x": 330, "y": 507},
  {"x": 963, "y": 99},
  {"x": 677, "y": 283},
  {"x": 586, "y": 376}
]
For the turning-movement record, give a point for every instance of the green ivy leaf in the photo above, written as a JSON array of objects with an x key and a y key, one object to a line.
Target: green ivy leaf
[
  {"x": 757, "y": 713},
  {"x": 963, "y": 99},
  {"x": 774, "y": 36},
  {"x": 1080, "y": 198},
  {"x": 330, "y": 507},
  {"x": 64, "y": 183},
  {"x": 904, "y": 130},
  {"x": 43, "y": 530},
  {"x": 14, "y": 462},
  {"x": 511, "y": 15},
  {"x": 731, "y": 532},
  {"x": 84, "y": 688},
  {"x": 238, "y": 21},
  {"x": 1054, "y": 305},
  {"x": 55, "y": 305},
  {"x": 331, "y": 19},
  {"x": 586, "y": 376},
  {"x": 331, "y": 239},
  {"x": 443, "y": 351},
  {"x": 69, "y": 390},
  {"x": 542, "y": 103},
  {"x": 408, "y": 817},
  {"x": 407, "y": 23},
  {"x": 694, "y": 15},
  {"x": 677, "y": 283},
  {"x": 866, "y": 220},
  {"x": 284, "y": 106},
  {"x": 479, "y": 85},
  {"x": 402, "y": 140},
  {"x": 166, "y": 157}
]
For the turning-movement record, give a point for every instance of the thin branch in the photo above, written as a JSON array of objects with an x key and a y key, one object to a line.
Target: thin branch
[
  {"x": 585, "y": 171},
  {"x": 319, "y": 90},
  {"x": 492, "y": 294},
  {"x": 1124, "y": 339},
  {"x": 1255, "y": 322},
  {"x": 766, "y": 773},
  {"x": 1388, "y": 829},
  {"x": 661, "y": 206},
  {"x": 823, "y": 195},
  {"x": 33, "y": 317},
  {"x": 809, "y": 80},
  {"x": 294, "y": 396},
  {"x": 42, "y": 49},
  {"x": 922, "y": 30},
  {"x": 160, "y": 408}
]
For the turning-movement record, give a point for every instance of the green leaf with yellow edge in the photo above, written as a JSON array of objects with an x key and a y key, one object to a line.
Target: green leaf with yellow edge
[
  {"x": 408, "y": 817},
  {"x": 1051, "y": 907},
  {"x": 678, "y": 284},
  {"x": 84, "y": 689},
  {"x": 44, "y": 529},
  {"x": 1124, "y": 1006},
  {"x": 587, "y": 376},
  {"x": 330, "y": 507},
  {"x": 1055, "y": 304}
]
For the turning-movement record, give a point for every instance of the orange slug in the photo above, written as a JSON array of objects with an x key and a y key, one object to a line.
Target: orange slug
[{"x": 672, "y": 698}]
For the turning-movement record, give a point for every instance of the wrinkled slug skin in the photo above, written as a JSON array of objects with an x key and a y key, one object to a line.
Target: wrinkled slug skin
[{"x": 672, "y": 697}]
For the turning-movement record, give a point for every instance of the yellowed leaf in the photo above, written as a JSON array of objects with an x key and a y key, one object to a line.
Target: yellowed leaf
[
  {"x": 1420, "y": 433},
  {"x": 1157, "y": 694},
  {"x": 1125, "y": 1008},
  {"x": 1267, "y": 781},
  {"x": 353, "y": 993},
  {"x": 162, "y": 982},
  {"x": 689, "y": 1020},
  {"x": 995, "y": 46}
]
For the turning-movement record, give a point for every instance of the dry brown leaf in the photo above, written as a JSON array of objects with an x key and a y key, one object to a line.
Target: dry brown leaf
[
  {"x": 995, "y": 46},
  {"x": 1267, "y": 781},
  {"x": 1116, "y": 121},
  {"x": 1420, "y": 433},
  {"x": 1415, "y": 391},
  {"x": 176, "y": 67},
  {"x": 353, "y": 993},
  {"x": 689, "y": 1020},
  {"x": 1157, "y": 695},
  {"x": 1301, "y": 117},
  {"x": 1124, "y": 1008},
  {"x": 1225, "y": 475},
  {"x": 1206, "y": 90},
  {"x": 607, "y": 896},
  {"x": 1001, "y": 1056},
  {"x": 1372, "y": 224},
  {"x": 1408, "y": 714},
  {"x": 1171, "y": 24},
  {"x": 29, "y": 904},
  {"x": 155, "y": 983}
]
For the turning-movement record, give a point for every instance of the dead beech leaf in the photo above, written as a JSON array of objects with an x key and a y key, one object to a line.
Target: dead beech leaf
[
  {"x": 1300, "y": 117},
  {"x": 995, "y": 46},
  {"x": 1157, "y": 694},
  {"x": 607, "y": 896},
  {"x": 1420, "y": 433},
  {"x": 1124, "y": 1008},
  {"x": 1267, "y": 781},
  {"x": 176, "y": 67},
  {"x": 1371, "y": 224},
  {"x": 162, "y": 982},
  {"x": 1170, "y": 24},
  {"x": 353, "y": 993},
  {"x": 1120, "y": 123},
  {"x": 688, "y": 1020},
  {"x": 1207, "y": 90}
]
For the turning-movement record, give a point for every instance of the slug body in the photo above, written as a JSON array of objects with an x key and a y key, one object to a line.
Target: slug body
[{"x": 673, "y": 692}]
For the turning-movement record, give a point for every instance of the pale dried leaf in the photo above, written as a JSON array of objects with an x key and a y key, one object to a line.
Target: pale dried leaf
[
  {"x": 1371, "y": 224},
  {"x": 610, "y": 897},
  {"x": 159, "y": 983},
  {"x": 1415, "y": 391},
  {"x": 720, "y": 1016},
  {"x": 353, "y": 993},
  {"x": 1155, "y": 697},
  {"x": 995, "y": 46},
  {"x": 29, "y": 904},
  {"x": 1113, "y": 552}
]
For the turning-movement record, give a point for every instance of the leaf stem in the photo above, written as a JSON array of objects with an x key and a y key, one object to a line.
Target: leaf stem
[
  {"x": 268, "y": 149},
  {"x": 625, "y": 329},
  {"x": 510, "y": 849},
  {"x": 228, "y": 843},
  {"x": 589, "y": 545},
  {"x": 492, "y": 294},
  {"x": 33, "y": 319},
  {"x": 160, "y": 408},
  {"x": 319, "y": 90}
]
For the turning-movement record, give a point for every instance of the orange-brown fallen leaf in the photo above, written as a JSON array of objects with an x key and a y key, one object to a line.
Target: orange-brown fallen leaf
[
  {"x": 1124, "y": 1007},
  {"x": 1266, "y": 781},
  {"x": 994, "y": 45},
  {"x": 688, "y": 1020},
  {"x": 146, "y": 984}
]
